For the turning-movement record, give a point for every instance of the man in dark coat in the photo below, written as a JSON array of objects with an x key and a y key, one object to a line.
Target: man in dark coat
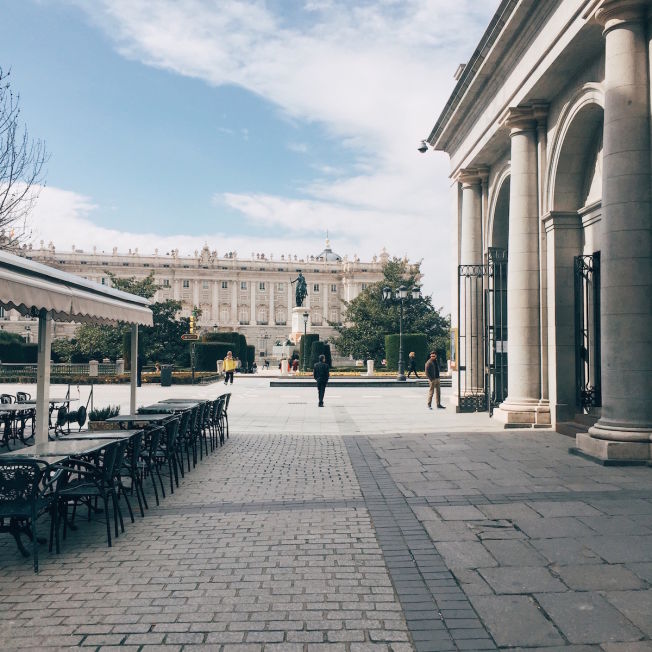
[
  {"x": 321, "y": 375},
  {"x": 432, "y": 372}
]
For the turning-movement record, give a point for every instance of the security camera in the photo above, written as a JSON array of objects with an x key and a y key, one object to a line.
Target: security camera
[{"x": 423, "y": 148}]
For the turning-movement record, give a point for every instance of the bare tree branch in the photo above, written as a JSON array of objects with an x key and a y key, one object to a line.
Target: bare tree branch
[{"x": 22, "y": 161}]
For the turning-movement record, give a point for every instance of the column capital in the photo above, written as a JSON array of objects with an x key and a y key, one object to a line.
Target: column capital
[
  {"x": 613, "y": 13},
  {"x": 519, "y": 119},
  {"x": 472, "y": 176}
]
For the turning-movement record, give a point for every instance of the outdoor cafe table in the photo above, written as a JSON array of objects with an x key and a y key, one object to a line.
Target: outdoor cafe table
[
  {"x": 140, "y": 418},
  {"x": 59, "y": 448},
  {"x": 159, "y": 408},
  {"x": 11, "y": 412},
  {"x": 184, "y": 400},
  {"x": 102, "y": 434}
]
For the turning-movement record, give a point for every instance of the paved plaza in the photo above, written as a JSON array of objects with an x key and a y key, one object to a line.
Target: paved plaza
[{"x": 370, "y": 525}]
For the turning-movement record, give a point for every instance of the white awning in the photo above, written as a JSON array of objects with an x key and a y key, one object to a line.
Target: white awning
[{"x": 30, "y": 287}]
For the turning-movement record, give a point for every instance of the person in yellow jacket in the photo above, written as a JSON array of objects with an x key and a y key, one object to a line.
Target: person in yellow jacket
[{"x": 229, "y": 367}]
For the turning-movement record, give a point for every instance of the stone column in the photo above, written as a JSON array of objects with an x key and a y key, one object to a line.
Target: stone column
[
  {"x": 215, "y": 308},
  {"x": 541, "y": 115},
  {"x": 195, "y": 293},
  {"x": 625, "y": 427},
  {"x": 270, "y": 316},
  {"x": 471, "y": 318},
  {"x": 252, "y": 307},
  {"x": 523, "y": 300},
  {"x": 564, "y": 235},
  {"x": 234, "y": 302}
]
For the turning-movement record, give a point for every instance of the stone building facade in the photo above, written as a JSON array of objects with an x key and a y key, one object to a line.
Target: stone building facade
[
  {"x": 252, "y": 295},
  {"x": 548, "y": 132}
]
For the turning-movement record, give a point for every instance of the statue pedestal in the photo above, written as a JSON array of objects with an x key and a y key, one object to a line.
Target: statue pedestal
[{"x": 298, "y": 323}]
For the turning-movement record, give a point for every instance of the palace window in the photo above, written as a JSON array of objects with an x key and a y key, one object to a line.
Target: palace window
[
  {"x": 166, "y": 282},
  {"x": 333, "y": 288},
  {"x": 204, "y": 285},
  {"x": 243, "y": 285},
  {"x": 364, "y": 286},
  {"x": 261, "y": 286},
  {"x": 225, "y": 314},
  {"x": 225, "y": 285},
  {"x": 315, "y": 287},
  {"x": 280, "y": 287},
  {"x": 186, "y": 283}
]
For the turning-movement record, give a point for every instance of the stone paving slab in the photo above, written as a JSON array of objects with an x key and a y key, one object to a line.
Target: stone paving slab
[{"x": 356, "y": 528}]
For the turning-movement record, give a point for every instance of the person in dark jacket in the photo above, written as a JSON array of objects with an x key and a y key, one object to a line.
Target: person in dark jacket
[
  {"x": 321, "y": 375},
  {"x": 412, "y": 364},
  {"x": 432, "y": 372}
]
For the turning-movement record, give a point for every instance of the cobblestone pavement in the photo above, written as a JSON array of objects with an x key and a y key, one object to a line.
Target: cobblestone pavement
[{"x": 316, "y": 529}]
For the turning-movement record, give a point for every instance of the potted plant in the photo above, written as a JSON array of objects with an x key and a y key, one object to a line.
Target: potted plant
[{"x": 97, "y": 418}]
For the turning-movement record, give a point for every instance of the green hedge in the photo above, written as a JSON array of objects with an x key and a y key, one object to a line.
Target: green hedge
[
  {"x": 238, "y": 343},
  {"x": 208, "y": 353},
  {"x": 18, "y": 352},
  {"x": 320, "y": 348},
  {"x": 305, "y": 349},
  {"x": 411, "y": 342},
  {"x": 251, "y": 356}
]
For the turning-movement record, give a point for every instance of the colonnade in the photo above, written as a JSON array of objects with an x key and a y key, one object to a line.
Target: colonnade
[{"x": 625, "y": 427}]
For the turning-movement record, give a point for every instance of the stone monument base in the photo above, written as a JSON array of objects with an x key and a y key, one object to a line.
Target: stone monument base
[{"x": 298, "y": 324}]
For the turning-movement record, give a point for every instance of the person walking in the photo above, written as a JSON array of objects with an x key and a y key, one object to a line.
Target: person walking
[
  {"x": 432, "y": 372},
  {"x": 412, "y": 364},
  {"x": 229, "y": 367},
  {"x": 321, "y": 375}
]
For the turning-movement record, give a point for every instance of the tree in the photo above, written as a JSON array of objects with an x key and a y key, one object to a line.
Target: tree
[
  {"x": 158, "y": 343},
  {"x": 368, "y": 318},
  {"x": 21, "y": 167}
]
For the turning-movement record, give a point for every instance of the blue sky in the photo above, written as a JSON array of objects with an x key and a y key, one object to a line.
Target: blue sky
[{"x": 250, "y": 125}]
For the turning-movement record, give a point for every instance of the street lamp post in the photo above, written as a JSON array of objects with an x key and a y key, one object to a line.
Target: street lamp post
[
  {"x": 305, "y": 343},
  {"x": 399, "y": 297}
]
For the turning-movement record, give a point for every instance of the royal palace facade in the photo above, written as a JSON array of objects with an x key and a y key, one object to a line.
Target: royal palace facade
[
  {"x": 253, "y": 295},
  {"x": 548, "y": 132}
]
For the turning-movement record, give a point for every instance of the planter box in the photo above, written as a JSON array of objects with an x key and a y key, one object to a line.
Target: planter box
[{"x": 102, "y": 425}]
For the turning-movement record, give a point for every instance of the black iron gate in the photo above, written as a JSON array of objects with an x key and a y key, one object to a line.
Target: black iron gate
[
  {"x": 482, "y": 321},
  {"x": 472, "y": 395},
  {"x": 587, "y": 332},
  {"x": 496, "y": 328}
]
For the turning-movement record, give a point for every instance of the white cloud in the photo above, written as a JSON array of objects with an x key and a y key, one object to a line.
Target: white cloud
[{"x": 374, "y": 74}]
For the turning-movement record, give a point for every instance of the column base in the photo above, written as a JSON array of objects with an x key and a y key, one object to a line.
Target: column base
[
  {"x": 608, "y": 451},
  {"x": 528, "y": 415}
]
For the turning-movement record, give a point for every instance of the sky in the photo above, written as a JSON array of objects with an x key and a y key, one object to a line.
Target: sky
[{"x": 249, "y": 125}]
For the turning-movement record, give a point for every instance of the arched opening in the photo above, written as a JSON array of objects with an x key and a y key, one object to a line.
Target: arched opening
[
  {"x": 578, "y": 177},
  {"x": 496, "y": 297},
  {"x": 499, "y": 235},
  {"x": 574, "y": 262}
]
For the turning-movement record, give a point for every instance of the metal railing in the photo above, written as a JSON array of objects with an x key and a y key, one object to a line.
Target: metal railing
[{"x": 56, "y": 369}]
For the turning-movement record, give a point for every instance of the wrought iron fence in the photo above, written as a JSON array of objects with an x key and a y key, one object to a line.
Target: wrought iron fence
[{"x": 9, "y": 370}]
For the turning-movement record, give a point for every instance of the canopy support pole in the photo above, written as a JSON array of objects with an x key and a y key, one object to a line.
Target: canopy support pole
[
  {"x": 134, "y": 367},
  {"x": 43, "y": 376}
]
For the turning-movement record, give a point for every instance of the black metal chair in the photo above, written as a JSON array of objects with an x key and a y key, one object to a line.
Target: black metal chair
[
  {"x": 85, "y": 481},
  {"x": 227, "y": 400},
  {"x": 153, "y": 435},
  {"x": 131, "y": 469},
  {"x": 182, "y": 438},
  {"x": 26, "y": 492},
  {"x": 22, "y": 397},
  {"x": 167, "y": 451}
]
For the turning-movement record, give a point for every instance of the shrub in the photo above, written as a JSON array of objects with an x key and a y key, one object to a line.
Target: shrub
[
  {"x": 18, "y": 352},
  {"x": 411, "y": 342},
  {"x": 208, "y": 353},
  {"x": 102, "y": 414},
  {"x": 320, "y": 348},
  {"x": 251, "y": 356},
  {"x": 305, "y": 349}
]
